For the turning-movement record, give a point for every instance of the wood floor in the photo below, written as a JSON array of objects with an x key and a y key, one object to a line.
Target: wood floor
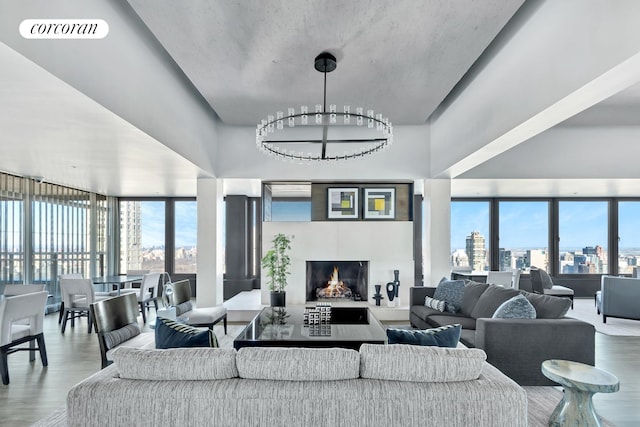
[{"x": 35, "y": 391}]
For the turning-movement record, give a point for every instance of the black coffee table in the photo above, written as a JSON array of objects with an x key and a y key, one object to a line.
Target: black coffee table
[{"x": 350, "y": 327}]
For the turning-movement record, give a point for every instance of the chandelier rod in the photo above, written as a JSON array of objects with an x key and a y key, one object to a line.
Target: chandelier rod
[{"x": 325, "y": 125}]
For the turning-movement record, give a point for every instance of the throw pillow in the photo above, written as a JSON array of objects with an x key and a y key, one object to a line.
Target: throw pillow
[
  {"x": 444, "y": 336},
  {"x": 491, "y": 299},
  {"x": 171, "y": 334},
  {"x": 547, "y": 306},
  {"x": 451, "y": 292},
  {"x": 420, "y": 364},
  {"x": 517, "y": 307},
  {"x": 472, "y": 292},
  {"x": 436, "y": 304},
  {"x": 547, "y": 283}
]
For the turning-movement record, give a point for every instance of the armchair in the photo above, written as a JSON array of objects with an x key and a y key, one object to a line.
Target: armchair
[
  {"x": 540, "y": 277},
  {"x": 14, "y": 331},
  {"x": 116, "y": 323},
  {"x": 179, "y": 296},
  {"x": 618, "y": 297}
]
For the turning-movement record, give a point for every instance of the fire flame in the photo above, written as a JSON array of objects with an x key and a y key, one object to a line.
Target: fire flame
[{"x": 335, "y": 288}]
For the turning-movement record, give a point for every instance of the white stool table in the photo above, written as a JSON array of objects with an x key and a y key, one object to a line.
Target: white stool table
[{"x": 580, "y": 383}]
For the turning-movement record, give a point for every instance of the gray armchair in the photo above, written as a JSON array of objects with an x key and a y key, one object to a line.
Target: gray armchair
[{"x": 618, "y": 297}]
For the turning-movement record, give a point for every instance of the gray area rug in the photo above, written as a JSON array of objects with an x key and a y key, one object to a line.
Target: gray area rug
[
  {"x": 585, "y": 310},
  {"x": 541, "y": 403}
]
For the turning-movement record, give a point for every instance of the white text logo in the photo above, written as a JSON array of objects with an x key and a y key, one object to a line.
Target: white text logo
[{"x": 64, "y": 28}]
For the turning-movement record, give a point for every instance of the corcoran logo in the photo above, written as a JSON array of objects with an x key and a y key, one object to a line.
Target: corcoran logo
[{"x": 64, "y": 28}]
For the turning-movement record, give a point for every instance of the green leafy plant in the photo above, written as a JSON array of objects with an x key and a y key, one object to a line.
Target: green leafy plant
[{"x": 277, "y": 262}]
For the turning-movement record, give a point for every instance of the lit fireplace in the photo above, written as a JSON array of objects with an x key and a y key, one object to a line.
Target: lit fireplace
[
  {"x": 333, "y": 280},
  {"x": 335, "y": 288}
]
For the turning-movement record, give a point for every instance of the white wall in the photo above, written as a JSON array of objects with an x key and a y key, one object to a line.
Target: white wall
[{"x": 386, "y": 245}]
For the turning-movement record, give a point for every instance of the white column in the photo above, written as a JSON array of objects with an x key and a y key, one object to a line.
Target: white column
[
  {"x": 210, "y": 243},
  {"x": 437, "y": 230}
]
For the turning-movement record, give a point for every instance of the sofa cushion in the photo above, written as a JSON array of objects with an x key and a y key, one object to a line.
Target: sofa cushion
[
  {"x": 444, "y": 336},
  {"x": 548, "y": 307},
  {"x": 472, "y": 292},
  {"x": 468, "y": 337},
  {"x": 517, "y": 307},
  {"x": 450, "y": 319},
  {"x": 450, "y": 291},
  {"x": 171, "y": 334},
  {"x": 491, "y": 299},
  {"x": 398, "y": 362},
  {"x": 436, "y": 304},
  {"x": 176, "y": 364},
  {"x": 298, "y": 364}
]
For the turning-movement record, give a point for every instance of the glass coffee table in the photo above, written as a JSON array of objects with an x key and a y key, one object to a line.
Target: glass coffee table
[{"x": 350, "y": 327}]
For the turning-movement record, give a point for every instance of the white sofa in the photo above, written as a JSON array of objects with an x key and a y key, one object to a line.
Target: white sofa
[{"x": 381, "y": 385}]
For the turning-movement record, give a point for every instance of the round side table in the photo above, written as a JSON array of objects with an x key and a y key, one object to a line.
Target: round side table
[{"x": 580, "y": 383}]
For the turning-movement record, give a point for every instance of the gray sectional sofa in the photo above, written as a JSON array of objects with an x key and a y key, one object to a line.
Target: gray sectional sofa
[
  {"x": 380, "y": 385},
  {"x": 515, "y": 346}
]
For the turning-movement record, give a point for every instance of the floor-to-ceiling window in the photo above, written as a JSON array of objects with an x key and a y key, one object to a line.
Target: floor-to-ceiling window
[
  {"x": 159, "y": 235},
  {"x": 628, "y": 236},
  {"x": 583, "y": 236},
  {"x": 469, "y": 235},
  {"x": 186, "y": 236},
  {"x": 142, "y": 235},
  {"x": 47, "y": 230},
  {"x": 524, "y": 234}
]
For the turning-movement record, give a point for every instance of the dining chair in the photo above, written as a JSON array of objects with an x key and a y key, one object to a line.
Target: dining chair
[
  {"x": 79, "y": 276},
  {"x": 21, "y": 321},
  {"x": 13, "y": 290},
  {"x": 130, "y": 285},
  {"x": 148, "y": 293},
  {"x": 77, "y": 296},
  {"x": 500, "y": 278}
]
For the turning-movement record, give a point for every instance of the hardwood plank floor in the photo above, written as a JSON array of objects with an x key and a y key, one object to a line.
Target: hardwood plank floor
[{"x": 34, "y": 391}]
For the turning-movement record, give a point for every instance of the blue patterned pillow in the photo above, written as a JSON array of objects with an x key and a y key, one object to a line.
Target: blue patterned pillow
[
  {"x": 517, "y": 307},
  {"x": 451, "y": 292},
  {"x": 171, "y": 334},
  {"x": 434, "y": 303},
  {"x": 444, "y": 336}
]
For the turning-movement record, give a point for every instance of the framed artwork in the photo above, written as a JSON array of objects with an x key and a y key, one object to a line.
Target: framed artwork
[
  {"x": 342, "y": 203},
  {"x": 379, "y": 203}
]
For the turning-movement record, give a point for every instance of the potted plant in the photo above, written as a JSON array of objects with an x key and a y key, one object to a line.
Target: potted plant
[{"x": 277, "y": 263}]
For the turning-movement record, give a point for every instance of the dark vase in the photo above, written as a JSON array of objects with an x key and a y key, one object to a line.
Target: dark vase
[
  {"x": 278, "y": 299},
  {"x": 396, "y": 281}
]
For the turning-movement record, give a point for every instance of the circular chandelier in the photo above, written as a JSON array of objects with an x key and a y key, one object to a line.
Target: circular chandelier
[{"x": 379, "y": 131}]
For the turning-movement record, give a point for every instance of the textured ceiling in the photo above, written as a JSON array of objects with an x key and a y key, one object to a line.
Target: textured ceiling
[{"x": 253, "y": 58}]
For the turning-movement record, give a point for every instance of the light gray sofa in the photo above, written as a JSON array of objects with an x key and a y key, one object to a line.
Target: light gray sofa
[
  {"x": 618, "y": 297},
  {"x": 381, "y": 385},
  {"x": 515, "y": 346}
]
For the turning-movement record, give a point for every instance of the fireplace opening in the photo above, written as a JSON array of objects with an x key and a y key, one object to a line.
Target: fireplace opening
[{"x": 337, "y": 280}]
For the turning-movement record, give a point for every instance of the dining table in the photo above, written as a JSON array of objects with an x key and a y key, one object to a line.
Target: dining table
[{"x": 118, "y": 281}]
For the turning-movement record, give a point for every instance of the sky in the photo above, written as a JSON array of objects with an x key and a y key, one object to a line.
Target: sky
[{"x": 153, "y": 219}]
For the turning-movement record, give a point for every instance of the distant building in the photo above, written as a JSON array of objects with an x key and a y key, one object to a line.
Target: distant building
[
  {"x": 130, "y": 236},
  {"x": 476, "y": 251},
  {"x": 537, "y": 258},
  {"x": 505, "y": 258}
]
